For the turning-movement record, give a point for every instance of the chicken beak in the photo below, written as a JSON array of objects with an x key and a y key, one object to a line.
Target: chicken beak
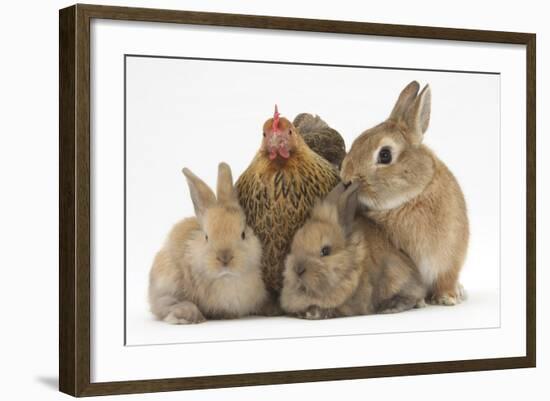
[
  {"x": 277, "y": 145},
  {"x": 274, "y": 140}
]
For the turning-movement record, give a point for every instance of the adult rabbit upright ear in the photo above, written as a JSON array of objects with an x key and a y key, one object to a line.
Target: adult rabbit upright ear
[
  {"x": 404, "y": 101},
  {"x": 413, "y": 110},
  {"x": 417, "y": 117}
]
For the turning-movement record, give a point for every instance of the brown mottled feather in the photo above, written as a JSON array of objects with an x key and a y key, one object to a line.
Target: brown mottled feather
[
  {"x": 277, "y": 199},
  {"x": 321, "y": 138}
]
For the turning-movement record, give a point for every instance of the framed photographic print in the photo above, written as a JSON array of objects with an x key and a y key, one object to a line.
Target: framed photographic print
[{"x": 250, "y": 200}]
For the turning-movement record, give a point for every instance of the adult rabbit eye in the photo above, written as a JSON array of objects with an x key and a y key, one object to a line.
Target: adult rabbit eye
[
  {"x": 325, "y": 251},
  {"x": 384, "y": 156},
  {"x": 243, "y": 235},
  {"x": 206, "y": 237}
]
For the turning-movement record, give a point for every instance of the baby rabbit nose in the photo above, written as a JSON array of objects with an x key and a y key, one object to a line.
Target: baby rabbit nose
[
  {"x": 225, "y": 256},
  {"x": 299, "y": 269}
]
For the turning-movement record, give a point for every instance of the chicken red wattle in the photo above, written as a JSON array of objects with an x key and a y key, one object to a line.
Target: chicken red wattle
[{"x": 278, "y": 142}]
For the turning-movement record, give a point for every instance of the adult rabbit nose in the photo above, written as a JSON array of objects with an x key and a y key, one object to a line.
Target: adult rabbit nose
[
  {"x": 299, "y": 269},
  {"x": 225, "y": 256}
]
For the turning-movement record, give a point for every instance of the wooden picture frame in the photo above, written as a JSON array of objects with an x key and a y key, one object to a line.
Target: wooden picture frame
[{"x": 74, "y": 199}]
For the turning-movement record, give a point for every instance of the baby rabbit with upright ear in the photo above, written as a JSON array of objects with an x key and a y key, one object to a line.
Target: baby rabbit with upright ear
[
  {"x": 342, "y": 265},
  {"x": 209, "y": 266},
  {"x": 406, "y": 189}
]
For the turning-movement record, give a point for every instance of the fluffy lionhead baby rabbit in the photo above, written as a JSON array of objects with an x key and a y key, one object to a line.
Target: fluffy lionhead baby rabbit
[
  {"x": 412, "y": 194},
  {"x": 343, "y": 265},
  {"x": 209, "y": 266}
]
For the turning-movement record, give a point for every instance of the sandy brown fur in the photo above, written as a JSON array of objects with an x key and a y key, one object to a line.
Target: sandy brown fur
[
  {"x": 416, "y": 198},
  {"x": 363, "y": 274},
  {"x": 209, "y": 267}
]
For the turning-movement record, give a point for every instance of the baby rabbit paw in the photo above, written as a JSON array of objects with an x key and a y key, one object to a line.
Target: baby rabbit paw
[
  {"x": 421, "y": 303},
  {"x": 400, "y": 303},
  {"x": 314, "y": 313},
  {"x": 184, "y": 313}
]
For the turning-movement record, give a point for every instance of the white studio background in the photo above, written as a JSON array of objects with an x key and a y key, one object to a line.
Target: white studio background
[
  {"x": 196, "y": 113},
  {"x": 28, "y": 209}
]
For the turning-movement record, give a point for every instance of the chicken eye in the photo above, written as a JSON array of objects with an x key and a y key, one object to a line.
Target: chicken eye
[
  {"x": 243, "y": 235},
  {"x": 384, "y": 156},
  {"x": 325, "y": 251}
]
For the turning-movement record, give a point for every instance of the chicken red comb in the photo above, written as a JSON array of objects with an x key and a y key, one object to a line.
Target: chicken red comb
[{"x": 276, "y": 119}]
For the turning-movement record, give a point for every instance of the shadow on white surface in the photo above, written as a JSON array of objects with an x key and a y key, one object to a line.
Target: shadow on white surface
[
  {"x": 479, "y": 311},
  {"x": 52, "y": 382}
]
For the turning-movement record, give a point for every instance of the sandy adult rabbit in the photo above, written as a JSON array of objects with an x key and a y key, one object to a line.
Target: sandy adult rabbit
[
  {"x": 343, "y": 265},
  {"x": 412, "y": 194},
  {"x": 209, "y": 266}
]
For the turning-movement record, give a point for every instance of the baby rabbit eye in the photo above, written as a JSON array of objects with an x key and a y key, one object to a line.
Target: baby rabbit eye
[
  {"x": 325, "y": 251},
  {"x": 206, "y": 237},
  {"x": 384, "y": 156},
  {"x": 243, "y": 235}
]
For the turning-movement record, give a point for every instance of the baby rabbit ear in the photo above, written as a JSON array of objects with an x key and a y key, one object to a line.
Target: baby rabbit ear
[
  {"x": 405, "y": 100},
  {"x": 334, "y": 196},
  {"x": 347, "y": 207},
  {"x": 226, "y": 191},
  {"x": 201, "y": 195},
  {"x": 417, "y": 116}
]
